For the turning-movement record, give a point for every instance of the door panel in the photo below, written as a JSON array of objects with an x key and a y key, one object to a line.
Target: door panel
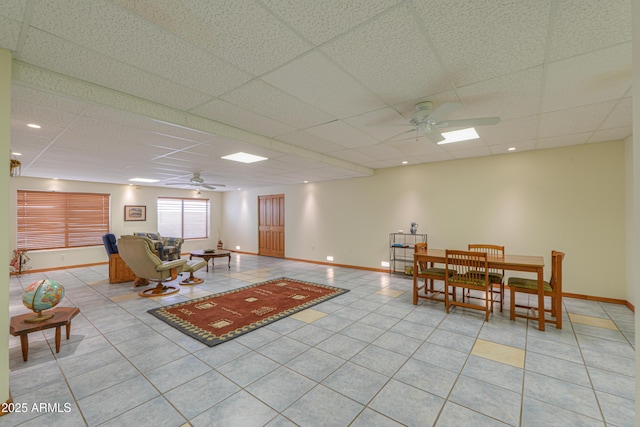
[{"x": 271, "y": 225}]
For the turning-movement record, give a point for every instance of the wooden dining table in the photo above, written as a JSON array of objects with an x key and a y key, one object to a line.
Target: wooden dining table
[{"x": 528, "y": 263}]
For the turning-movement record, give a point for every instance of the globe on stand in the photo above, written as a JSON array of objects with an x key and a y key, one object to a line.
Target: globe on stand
[{"x": 42, "y": 295}]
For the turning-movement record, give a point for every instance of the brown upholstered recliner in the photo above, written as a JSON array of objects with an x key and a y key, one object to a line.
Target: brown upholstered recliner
[{"x": 139, "y": 254}]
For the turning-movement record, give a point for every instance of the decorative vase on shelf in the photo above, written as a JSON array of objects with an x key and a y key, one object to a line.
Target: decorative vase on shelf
[{"x": 414, "y": 228}]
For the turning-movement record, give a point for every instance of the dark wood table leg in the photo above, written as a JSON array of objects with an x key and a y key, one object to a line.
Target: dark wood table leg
[
  {"x": 68, "y": 329},
  {"x": 24, "y": 343},
  {"x": 229, "y": 263},
  {"x": 57, "y": 339}
]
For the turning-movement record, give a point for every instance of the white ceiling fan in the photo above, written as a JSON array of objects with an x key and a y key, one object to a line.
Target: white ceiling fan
[
  {"x": 198, "y": 182},
  {"x": 428, "y": 122}
]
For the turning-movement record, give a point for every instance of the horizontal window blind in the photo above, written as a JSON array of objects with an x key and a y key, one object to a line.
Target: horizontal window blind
[
  {"x": 48, "y": 220},
  {"x": 186, "y": 218}
]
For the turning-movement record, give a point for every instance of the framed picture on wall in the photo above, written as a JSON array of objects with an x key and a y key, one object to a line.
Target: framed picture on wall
[{"x": 135, "y": 213}]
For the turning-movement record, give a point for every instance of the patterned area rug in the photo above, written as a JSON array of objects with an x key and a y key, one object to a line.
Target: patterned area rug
[{"x": 222, "y": 317}]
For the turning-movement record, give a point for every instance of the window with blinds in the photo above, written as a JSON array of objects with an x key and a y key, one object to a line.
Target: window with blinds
[
  {"x": 48, "y": 220},
  {"x": 186, "y": 218}
]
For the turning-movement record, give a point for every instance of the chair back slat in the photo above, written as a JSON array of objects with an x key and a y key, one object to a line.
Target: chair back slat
[
  {"x": 421, "y": 247},
  {"x": 469, "y": 266},
  {"x": 492, "y": 251}
]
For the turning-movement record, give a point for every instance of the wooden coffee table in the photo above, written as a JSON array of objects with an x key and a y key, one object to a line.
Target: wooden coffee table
[
  {"x": 219, "y": 253},
  {"x": 61, "y": 316}
]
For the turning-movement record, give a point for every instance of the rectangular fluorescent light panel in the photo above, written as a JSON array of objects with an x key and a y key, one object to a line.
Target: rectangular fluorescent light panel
[
  {"x": 143, "y": 180},
  {"x": 459, "y": 135},
  {"x": 244, "y": 157}
]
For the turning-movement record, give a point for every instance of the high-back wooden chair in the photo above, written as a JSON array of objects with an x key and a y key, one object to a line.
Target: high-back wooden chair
[
  {"x": 552, "y": 289},
  {"x": 496, "y": 276},
  {"x": 428, "y": 273},
  {"x": 468, "y": 270}
]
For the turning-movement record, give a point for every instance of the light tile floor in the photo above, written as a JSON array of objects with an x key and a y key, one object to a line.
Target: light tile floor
[{"x": 366, "y": 358}]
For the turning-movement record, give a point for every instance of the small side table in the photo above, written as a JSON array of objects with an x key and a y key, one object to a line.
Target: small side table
[{"x": 62, "y": 316}]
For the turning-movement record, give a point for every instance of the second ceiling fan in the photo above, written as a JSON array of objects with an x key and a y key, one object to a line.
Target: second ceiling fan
[{"x": 198, "y": 182}]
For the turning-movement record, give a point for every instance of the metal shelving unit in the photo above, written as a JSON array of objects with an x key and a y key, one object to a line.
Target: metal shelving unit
[{"x": 401, "y": 246}]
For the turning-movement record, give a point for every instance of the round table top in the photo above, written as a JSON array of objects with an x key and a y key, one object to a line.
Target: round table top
[{"x": 218, "y": 252}]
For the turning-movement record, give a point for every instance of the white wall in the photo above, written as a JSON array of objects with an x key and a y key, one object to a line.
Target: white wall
[
  {"x": 121, "y": 195},
  {"x": 570, "y": 199}
]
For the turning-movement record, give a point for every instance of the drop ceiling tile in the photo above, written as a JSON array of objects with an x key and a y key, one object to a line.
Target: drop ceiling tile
[
  {"x": 342, "y": 133},
  {"x": 565, "y": 122},
  {"x": 484, "y": 39},
  {"x": 620, "y": 116},
  {"x": 9, "y": 33},
  {"x": 243, "y": 33},
  {"x": 589, "y": 78},
  {"x": 225, "y": 112},
  {"x": 13, "y": 9},
  {"x": 588, "y": 25},
  {"x": 563, "y": 140},
  {"x": 322, "y": 21},
  {"x": 309, "y": 141},
  {"x": 520, "y": 146},
  {"x": 45, "y": 117},
  {"x": 19, "y": 129},
  {"x": 471, "y": 152},
  {"x": 316, "y": 80},
  {"x": 391, "y": 57},
  {"x": 611, "y": 134},
  {"x": 510, "y": 131},
  {"x": 55, "y": 54},
  {"x": 45, "y": 99},
  {"x": 264, "y": 99},
  {"x": 114, "y": 32},
  {"x": 513, "y": 95}
]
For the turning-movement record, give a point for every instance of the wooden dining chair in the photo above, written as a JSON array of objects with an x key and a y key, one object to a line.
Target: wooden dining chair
[
  {"x": 468, "y": 270},
  {"x": 428, "y": 273},
  {"x": 496, "y": 276},
  {"x": 552, "y": 289}
]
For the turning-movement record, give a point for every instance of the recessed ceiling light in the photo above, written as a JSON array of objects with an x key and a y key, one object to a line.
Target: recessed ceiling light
[
  {"x": 244, "y": 157},
  {"x": 143, "y": 180},
  {"x": 512, "y": 149},
  {"x": 459, "y": 135},
  {"x": 33, "y": 125},
  {"x": 306, "y": 182},
  {"x": 405, "y": 162},
  {"x": 16, "y": 154}
]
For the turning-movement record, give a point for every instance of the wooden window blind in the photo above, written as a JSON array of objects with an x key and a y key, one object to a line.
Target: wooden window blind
[
  {"x": 48, "y": 220},
  {"x": 186, "y": 218}
]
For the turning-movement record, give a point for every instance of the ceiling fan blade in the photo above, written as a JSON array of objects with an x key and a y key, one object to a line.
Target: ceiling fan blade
[
  {"x": 435, "y": 136},
  {"x": 443, "y": 111},
  {"x": 480, "y": 121},
  {"x": 178, "y": 183},
  {"x": 209, "y": 187},
  {"x": 395, "y": 136}
]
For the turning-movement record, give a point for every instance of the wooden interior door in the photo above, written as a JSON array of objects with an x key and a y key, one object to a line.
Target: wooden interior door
[{"x": 271, "y": 225}]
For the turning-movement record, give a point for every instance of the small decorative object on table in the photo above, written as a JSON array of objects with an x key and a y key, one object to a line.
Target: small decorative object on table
[
  {"x": 209, "y": 251},
  {"x": 414, "y": 228},
  {"x": 42, "y": 295}
]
